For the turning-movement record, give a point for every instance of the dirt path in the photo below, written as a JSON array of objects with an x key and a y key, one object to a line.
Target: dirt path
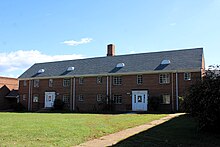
[{"x": 112, "y": 139}]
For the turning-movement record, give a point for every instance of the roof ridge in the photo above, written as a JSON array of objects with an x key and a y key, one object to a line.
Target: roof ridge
[{"x": 121, "y": 55}]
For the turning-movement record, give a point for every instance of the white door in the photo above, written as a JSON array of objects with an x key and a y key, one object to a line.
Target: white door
[
  {"x": 139, "y": 100},
  {"x": 49, "y": 99}
]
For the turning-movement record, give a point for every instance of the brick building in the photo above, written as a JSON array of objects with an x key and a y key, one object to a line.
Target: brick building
[
  {"x": 126, "y": 82},
  {"x": 11, "y": 83},
  {"x": 8, "y": 92}
]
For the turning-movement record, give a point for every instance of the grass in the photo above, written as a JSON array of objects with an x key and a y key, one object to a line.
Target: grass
[
  {"x": 55, "y": 129},
  {"x": 178, "y": 132}
]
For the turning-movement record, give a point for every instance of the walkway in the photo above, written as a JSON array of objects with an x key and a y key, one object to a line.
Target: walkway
[{"x": 112, "y": 139}]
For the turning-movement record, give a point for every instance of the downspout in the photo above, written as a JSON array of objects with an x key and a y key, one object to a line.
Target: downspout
[
  {"x": 29, "y": 96},
  {"x": 110, "y": 95},
  {"x": 31, "y": 100},
  {"x": 107, "y": 89},
  {"x": 177, "y": 93},
  {"x": 74, "y": 93},
  {"x": 172, "y": 95},
  {"x": 71, "y": 94}
]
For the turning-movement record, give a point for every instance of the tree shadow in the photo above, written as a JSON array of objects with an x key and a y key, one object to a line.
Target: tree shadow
[{"x": 180, "y": 131}]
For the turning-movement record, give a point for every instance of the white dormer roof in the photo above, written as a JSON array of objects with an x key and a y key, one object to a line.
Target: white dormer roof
[
  {"x": 120, "y": 65},
  {"x": 41, "y": 71},
  {"x": 71, "y": 68},
  {"x": 165, "y": 61}
]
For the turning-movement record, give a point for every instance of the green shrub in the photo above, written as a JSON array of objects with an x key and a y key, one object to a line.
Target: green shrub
[
  {"x": 58, "y": 104},
  {"x": 154, "y": 103},
  {"x": 19, "y": 107}
]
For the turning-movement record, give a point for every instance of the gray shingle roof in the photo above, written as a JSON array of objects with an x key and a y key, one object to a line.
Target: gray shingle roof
[{"x": 187, "y": 59}]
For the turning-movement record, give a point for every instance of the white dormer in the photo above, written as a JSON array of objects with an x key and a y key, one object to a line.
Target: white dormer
[
  {"x": 41, "y": 71},
  {"x": 120, "y": 65},
  {"x": 165, "y": 62},
  {"x": 71, "y": 68}
]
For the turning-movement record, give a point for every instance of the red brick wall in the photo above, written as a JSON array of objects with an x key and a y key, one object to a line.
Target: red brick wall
[{"x": 89, "y": 89}]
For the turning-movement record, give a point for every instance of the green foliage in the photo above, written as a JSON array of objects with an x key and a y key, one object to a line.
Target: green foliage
[
  {"x": 58, "y": 129},
  {"x": 203, "y": 101},
  {"x": 18, "y": 107},
  {"x": 58, "y": 104}
]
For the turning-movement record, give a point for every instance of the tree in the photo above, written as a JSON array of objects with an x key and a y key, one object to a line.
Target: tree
[{"x": 203, "y": 100}]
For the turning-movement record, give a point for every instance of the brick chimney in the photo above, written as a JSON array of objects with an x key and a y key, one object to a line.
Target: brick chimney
[{"x": 111, "y": 50}]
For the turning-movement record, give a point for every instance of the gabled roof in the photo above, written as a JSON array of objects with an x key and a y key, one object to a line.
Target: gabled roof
[
  {"x": 187, "y": 59},
  {"x": 12, "y": 94}
]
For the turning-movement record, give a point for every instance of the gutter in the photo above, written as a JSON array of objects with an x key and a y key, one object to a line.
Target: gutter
[{"x": 113, "y": 74}]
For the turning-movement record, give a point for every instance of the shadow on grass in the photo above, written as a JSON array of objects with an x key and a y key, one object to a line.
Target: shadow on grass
[{"x": 180, "y": 131}]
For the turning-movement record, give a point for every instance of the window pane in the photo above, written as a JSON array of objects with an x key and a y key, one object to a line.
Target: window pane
[
  {"x": 66, "y": 99},
  {"x": 99, "y": 80},
  {"x": 166, "y": 99},
  {"x": 187, "y": 76},
  {"x": 81, "y": 80},
  {"x": 117, "y": 80},
  {"x": 164, "y": 78},
  {"x": 139, "y": 79},
  {"x": 66, "y": 82},
  {"x": 117, "y": 99}
]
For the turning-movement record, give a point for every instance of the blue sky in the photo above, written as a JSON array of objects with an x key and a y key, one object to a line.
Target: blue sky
[{"x": 48, "y": 30}]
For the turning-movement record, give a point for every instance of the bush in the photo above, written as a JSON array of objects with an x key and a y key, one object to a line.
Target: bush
[
  {"x": 58, "y": 104},
  {"x": 203, "y": 102},
  {"x": 154, "y": 103},
  {"x": 19, "y": 107}
]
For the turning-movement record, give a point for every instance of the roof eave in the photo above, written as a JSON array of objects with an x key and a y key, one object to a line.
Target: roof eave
[{"x": 113, "y": 74}]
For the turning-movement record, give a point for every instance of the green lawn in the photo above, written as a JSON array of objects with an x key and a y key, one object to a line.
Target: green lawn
[
  {"x": 178, "y": 132},
  {"x": 55, "y": 129}
]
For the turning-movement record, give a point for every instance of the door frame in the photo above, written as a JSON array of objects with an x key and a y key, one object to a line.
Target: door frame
[
  {"x": 52, "y": 101},
  {"x": 144, "y": 106}
]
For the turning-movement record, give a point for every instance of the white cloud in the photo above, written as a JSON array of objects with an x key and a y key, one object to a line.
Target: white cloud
[
  {"x": 75, "y": 43},
  {"x": 15, "y": 63}
]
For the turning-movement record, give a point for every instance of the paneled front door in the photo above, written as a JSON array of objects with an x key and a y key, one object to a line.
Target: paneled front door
[
  {"x": 139, "y": 100},
  {"x": 49, "y": 99}
]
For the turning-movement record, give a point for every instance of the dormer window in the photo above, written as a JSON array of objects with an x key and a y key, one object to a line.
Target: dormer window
[
  {"x": 165, "y": 62},
  {"x": 120, "y": 65},
  {"x": 41, "y": 71},
  {"x": 71, "y": 68}
]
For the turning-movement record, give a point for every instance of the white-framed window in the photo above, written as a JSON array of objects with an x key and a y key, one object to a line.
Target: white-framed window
[
  {"x": 164, "y": 78},
  {"x": 66, "y": 99},
  {"x": 24, "y": 97},
  {"x": 139, "y": 79},
  {"x": 117, "y": 80},
  {"x": 36, "y": 83},
  {"x": 81, "y": 98},
  {"x": 81, "y": 80},
  {"x": 117, "y": 99},
  {"x": 187, "y": 76},
  {"x": 35, "y": 98},
  {"x": 24, "y": 83},
  {"x": 166, "y": 99},
  {"x": 99, "y": 80},
  {"x": 50, "y": 84},
  {"x": 66, "y": 82},
  {"x": 99, "y": 97}
]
